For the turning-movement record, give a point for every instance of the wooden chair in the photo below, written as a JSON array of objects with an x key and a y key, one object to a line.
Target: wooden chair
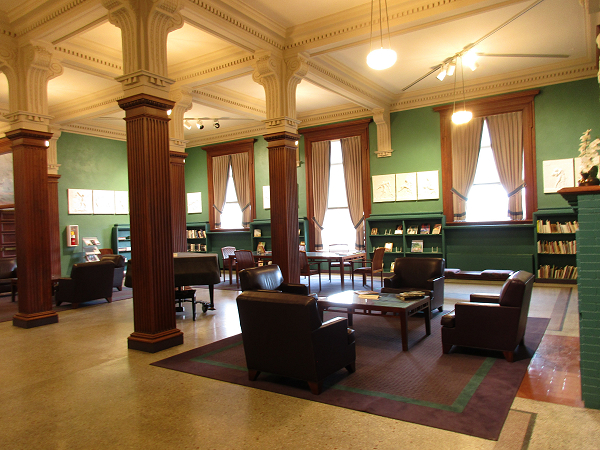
[
  {"x": 226, "y": 252},
  {"x": 243, "y": 260},
  {"x": 376, "y": 267},
  {"x": 306, "y": 271},
  {"x": 339, "y": 248}
]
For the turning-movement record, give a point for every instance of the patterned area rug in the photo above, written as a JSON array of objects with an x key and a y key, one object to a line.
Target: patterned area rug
[{"x": 467, "y": 391}]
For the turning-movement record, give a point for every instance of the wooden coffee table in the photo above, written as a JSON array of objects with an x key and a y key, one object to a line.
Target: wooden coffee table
[{"x": 351, "y": 303}]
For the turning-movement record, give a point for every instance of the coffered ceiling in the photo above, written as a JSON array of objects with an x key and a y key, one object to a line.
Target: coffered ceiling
[{"x": 213, "y": 54}]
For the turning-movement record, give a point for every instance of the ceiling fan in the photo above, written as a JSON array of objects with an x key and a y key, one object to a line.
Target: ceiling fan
[{"x": 451, "y": 61}]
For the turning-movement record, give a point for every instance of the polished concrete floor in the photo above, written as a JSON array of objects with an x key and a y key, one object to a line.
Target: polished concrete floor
[{"x": 75, "y": 385}]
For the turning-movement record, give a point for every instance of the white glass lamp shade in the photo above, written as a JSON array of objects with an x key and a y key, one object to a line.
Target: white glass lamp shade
[
  {"x": 381, "y": 58},
  {"x": 461, "y": 117}
]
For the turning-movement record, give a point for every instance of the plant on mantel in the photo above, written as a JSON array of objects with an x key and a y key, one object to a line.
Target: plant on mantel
[{"x": 588, "y": 152}]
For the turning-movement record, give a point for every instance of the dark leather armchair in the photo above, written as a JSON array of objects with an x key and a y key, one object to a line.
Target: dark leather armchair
[
  {"x": 283, "y": 334},
  {"x": 493, "y": 322},
  {"x": 268, "y": 278},
  {"x": 88, "y": 281},
  {"x": 418, "y": 274},
  {"x": 8, "y": 276},
  {"x": 119, "y": 272}
]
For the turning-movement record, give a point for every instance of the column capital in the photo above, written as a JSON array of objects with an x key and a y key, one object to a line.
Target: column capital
[
  {"x": 381, "y": 117},
  {"x": 183, "y": 102}
]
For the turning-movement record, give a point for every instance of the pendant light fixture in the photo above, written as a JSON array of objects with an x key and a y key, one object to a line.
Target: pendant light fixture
[
  {"x": 381, "y": 58},
  {"x": 464, "y": 116}
]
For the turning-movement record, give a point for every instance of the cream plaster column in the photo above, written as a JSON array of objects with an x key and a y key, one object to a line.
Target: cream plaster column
[
  {"x": 145, "y": 26},
  {"x": 28, "y": 68},
  {"x": 280, "y": 77},
  {"x": 381, "y": 117}
]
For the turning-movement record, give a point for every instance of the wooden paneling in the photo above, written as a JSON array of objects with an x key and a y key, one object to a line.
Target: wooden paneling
[
  {"x": 150, "y": 197},
  {"x": 30, "y": 165},
  {"x": 177, "y": 168},
  {"x": 8, "y": 242},
  {"x": 284, "y": 204},
  {"x": 54, "y": 224}
]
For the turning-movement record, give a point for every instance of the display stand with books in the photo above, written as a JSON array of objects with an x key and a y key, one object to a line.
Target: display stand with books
[
  {"x": 90, "y": 248},
  {"x": 556, "y": 246}
]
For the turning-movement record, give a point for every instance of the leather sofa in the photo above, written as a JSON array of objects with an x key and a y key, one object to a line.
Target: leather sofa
[
  {"x": 88, "y": 281},
  {"x": 268, "y": 278},
  {"x": 493, "y": 322},
  {"x": 119, "y": 265},
  {"x": 8, "y": 276},
  {"x": 283, "y": 334},
  {"x": 418, "y": 274}
]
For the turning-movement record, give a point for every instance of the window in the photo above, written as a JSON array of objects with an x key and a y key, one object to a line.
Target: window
[
  {"x": 221, "y": 185},
  {"x": 337, "y": 226},
  {"x": 231, "y": 217},
  {"x": 521, "y": 101}
]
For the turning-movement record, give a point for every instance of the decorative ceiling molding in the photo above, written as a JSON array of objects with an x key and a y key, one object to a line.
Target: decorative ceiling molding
[
  {"x": 90, "y": 130},
  {"x": 48, "y": 17},
  {"x": 229, "y": 135},
  {"x": 88, "y": 106},
  {"x": 230, "y": 101},
  {"x": 336, "y": 114},
  {"x": 88, "y": 60},
  {"x": 242, "y": 64}
]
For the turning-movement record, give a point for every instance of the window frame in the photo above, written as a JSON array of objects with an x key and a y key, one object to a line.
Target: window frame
[
  {"x": 329, "y": 133},
  {"x": 519, "y": 101},
  {"x": 230, "y": 148}
]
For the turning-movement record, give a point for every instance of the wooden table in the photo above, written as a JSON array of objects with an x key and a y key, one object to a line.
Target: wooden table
[
  {"x": 352, "y": 303},
  {"x": 313, "y": 257}
]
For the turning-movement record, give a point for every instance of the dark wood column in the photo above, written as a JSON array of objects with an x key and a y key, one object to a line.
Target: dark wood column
[
  {"x": 150, "y": 220},
  {"x": 178, "y": 201},
  {"x": 54, "y": 225},
  {"x": 284, "y": 203},
  {"x": 30, "y": 165}
]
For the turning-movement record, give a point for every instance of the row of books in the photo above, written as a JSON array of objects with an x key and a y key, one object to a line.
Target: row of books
[
  {"x": 196, "y": 234},
  {"x": 558, "y": 273},
  {"x": 545, "y": 226},
  {"x": 423, "y": 229},
  {"x": 557, "y": 247},
  {"x": 124, "y": 249},
  {"x": 196, "y": 247}
]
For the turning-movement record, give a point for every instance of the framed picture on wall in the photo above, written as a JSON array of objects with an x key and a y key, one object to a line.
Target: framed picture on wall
[
  {"x": 194, "y": 202},
  {"x": 384, "y": 188},
  {"x": 121, "y": 202},
  {"x": 80, "y": 201},
  {"x": 104, "y": 201}
]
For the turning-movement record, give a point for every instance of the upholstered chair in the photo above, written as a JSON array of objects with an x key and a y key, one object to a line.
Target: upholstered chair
[
  {"x": 268, "y": 278},
  {"x": 88, "y": 281},
  {"x": 8, "y": 276},
  {"x": 493, "y": 322},
  {"x": 283, "y": 334},
  {"x": 414, "y": 273},
  {"x": 119, "y": 272}
]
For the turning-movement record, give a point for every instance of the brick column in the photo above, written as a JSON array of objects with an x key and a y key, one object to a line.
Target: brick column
[{"x": 586, "y": 200}]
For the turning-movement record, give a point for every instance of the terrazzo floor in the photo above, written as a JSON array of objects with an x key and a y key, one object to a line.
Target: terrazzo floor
[{"x": 75, "y": 385}]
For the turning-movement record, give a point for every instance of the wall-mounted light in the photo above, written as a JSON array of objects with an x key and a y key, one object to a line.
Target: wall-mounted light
[{"x": 217, "y": 124}]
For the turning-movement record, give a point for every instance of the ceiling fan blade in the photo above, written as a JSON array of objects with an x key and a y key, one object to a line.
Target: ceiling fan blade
[{"x": 523, "y": 55}]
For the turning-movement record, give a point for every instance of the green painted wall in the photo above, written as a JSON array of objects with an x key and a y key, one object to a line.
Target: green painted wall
[
  {"x": 88, "y": 163},
  {"x": 563, "y": 112}
]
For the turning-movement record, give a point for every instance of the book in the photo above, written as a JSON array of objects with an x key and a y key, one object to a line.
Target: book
[
  {"x": 398, "y": 230},
  {"x": 374, "y": 231},
  {"x": 425, "y": 228},
  {"x": 437, "y": 228},
  {"x": 412, "y": 230},
  {"x": 416, "y": 246},
  {"x": 389, "y": 246},
  {"x": 261, "y": 248},
  {"x": 257, "y": 232}
]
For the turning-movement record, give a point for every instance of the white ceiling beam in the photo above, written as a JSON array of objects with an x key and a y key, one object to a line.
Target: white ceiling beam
[{"x": 231, "y": 102}]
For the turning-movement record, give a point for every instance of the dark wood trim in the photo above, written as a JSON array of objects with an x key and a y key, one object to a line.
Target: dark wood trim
[
  {"x": 178, "y": 200},
  {"x": 489, "y": 106},
  {"x": 329, "y": 133},
  {"x": 229, "y": 148}
]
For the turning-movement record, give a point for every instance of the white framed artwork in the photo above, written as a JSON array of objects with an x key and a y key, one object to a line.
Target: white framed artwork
[
  {"x": 428, "y": 187},
  {"x": 267, "y": 197},
  {"x": 406, "y": 186},
  {"x": 121, "y": 202},
  {"x": 104, "y": 201},
  {"x": 384, "y": 188},
  {"x": 558, "y": 174},
  {"x": 80, "y": 201},
  {"x": 194, "y": 202}
]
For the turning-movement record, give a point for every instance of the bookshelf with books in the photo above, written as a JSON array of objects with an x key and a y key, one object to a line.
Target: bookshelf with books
[
  {"x": 121, "y": 240},
  {"x": 260, "y": 233},
  {"x": 413, "y": 236},
  {"x": 556, "y": 246},
  {"x": 196, "y": 237}
]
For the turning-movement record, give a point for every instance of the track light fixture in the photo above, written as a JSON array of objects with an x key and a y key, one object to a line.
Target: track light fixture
[
  {"x": 470, "y": 59},
  {"x": 199, "y": 124},
  {"x": 443, "y": 72},
  {"x": 217, "y": 124},
  {"x": 451, "y": 68},
  {"x": 187, "y": 124}
]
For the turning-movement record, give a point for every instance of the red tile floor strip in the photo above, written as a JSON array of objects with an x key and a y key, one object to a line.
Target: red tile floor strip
[{"x": 554, "y": 372}]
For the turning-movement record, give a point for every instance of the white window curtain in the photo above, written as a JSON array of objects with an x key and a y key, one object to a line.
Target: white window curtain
[
  {"x": 351, "y": 157},
  {"x": 220, "y": 172},
  {"x": 320, "y": 183},
  {"x": 466, "y": 143},
  {"x": 241, "y": 181},
  {"x": 506, "y": 134}
]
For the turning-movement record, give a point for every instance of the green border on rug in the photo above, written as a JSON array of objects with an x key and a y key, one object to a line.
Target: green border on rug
[{"x": 457, "y": 406}]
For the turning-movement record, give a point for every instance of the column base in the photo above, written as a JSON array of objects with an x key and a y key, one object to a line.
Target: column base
[
  {"x": 152, "y": 343},
  {"x": 35, "y": 320}
]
